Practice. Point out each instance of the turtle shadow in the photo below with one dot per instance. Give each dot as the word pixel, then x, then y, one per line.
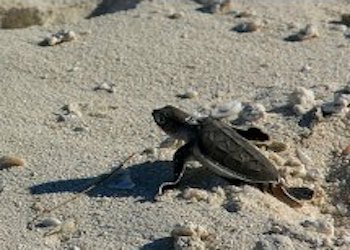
pixel 146 176
pixel 112 6
pixel 159 244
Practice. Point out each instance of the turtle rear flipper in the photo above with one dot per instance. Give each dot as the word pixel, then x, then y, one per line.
pixel 301 193
pixel 281 193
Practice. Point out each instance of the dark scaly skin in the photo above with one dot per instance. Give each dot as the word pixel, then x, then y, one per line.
pixel 226 149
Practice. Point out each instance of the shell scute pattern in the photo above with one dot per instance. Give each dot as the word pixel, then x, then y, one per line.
pixel 219 143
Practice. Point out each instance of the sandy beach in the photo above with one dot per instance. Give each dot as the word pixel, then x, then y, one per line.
pixel 75 110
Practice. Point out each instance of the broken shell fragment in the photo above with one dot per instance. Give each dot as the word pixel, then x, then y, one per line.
pixel 10 161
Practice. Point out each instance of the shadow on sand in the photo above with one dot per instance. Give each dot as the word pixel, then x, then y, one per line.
pixel 147 177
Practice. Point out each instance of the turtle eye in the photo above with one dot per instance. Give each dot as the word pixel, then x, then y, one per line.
pixel 160 119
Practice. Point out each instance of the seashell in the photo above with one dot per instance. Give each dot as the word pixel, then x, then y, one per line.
pixel 10 161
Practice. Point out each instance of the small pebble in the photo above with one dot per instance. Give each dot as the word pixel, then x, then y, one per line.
pixel 252 112
pixel 302 100
pixel 177 15
pixel 307 33
pixel 249 26
pixel 106 87
pixel 246 13
pixel 341 209
pixel 10 161
pixel 221 7
pixel 192 237
pixel 73 108
pixel 59 37
pixel 195 194
pixel 65 228
pixel 214 198
pixel 189 94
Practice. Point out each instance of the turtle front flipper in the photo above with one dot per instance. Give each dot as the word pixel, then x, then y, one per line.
pixel 180 157
pixel 281 193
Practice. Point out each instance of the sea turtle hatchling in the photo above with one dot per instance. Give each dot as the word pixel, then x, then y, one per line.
pixel 225 151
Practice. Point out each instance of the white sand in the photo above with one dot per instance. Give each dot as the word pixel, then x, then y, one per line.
pixel 150 59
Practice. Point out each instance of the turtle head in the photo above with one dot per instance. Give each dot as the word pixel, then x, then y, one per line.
pixel 172 121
